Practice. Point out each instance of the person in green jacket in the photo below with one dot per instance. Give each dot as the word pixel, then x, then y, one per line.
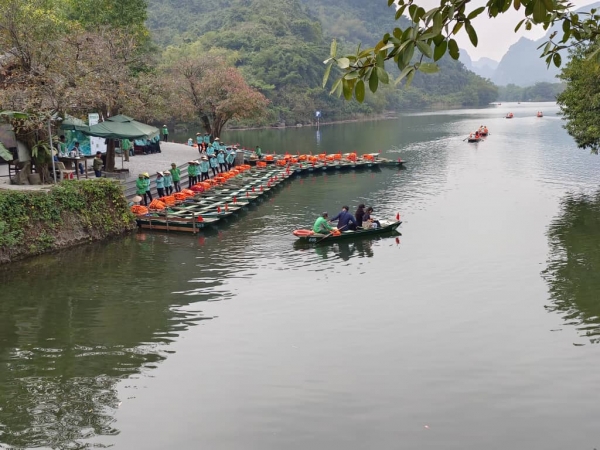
pixel 258 152
pixel 147 183
pixel 127 148
pixel 165 133
pixel 322 225
pixel 176 174
pixel 140 188
pixel 191 169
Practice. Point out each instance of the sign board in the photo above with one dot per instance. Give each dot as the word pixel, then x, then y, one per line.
pixel 96 144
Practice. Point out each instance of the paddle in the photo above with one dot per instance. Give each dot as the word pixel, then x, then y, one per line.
pixel 337 229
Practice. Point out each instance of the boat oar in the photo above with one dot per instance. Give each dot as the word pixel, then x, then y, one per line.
pixel 337 229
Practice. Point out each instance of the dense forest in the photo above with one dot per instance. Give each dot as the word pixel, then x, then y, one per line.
pixel 540 92
pixel 279 47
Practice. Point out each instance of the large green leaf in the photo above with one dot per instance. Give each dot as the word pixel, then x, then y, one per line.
pixel 4 153
pixel 453 49
pixel 440 50
pixel 425 49
pixel 429 68
pixel 373 81
pixel 326 75
pixel 359 91
pixel 472 34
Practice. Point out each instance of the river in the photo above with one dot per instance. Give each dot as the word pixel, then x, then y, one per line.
pixel 474 329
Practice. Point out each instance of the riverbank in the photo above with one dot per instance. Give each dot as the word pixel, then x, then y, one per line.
pixel 36 221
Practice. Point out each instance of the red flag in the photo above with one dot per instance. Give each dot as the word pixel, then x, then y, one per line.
pixel 397 216
pixel 252 188
pixel 226 207
pixel 247 195
pixel 234 200
pixel 200 219
pixel 219 209
pixel 261 188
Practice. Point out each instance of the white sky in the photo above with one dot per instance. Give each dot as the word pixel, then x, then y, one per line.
pixel 496 35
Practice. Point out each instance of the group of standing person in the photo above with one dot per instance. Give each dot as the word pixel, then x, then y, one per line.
pixel 362 219
pixel 167 182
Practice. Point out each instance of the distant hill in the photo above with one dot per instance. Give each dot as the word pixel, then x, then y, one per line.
pixel 280 46
pixel 522 64
pixel 484 67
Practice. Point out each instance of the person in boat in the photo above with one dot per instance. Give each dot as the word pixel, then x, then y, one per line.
pixel 477 134
pixel 345 219
pixel 369 221
pixel 485 129
pixel 359 214
pixel 322 226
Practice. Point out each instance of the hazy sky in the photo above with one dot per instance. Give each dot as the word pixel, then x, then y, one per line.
pixel 496 35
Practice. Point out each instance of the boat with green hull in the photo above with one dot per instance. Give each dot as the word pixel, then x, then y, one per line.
pixel 310 237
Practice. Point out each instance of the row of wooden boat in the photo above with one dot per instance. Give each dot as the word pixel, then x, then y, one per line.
pixel 348 161
pixel 219 203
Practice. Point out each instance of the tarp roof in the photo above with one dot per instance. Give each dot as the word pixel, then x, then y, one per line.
pixel 121 127
pixel 73 124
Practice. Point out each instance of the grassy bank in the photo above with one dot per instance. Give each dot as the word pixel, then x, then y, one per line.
pixel 73 212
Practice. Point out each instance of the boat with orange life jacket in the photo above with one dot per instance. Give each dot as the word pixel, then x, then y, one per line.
pixel 509 115
pixel 310 237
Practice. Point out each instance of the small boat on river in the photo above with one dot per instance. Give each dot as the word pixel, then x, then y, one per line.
pixel 310 237
pixel 509 115
pixel 540 114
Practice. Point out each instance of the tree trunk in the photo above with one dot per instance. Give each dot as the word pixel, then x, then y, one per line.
pixel 206 123
pixel 110 156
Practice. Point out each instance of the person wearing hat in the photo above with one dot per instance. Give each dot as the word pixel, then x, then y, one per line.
pixel 135 200
pixel 322 226
pixel 147 182
pixel 369 221
pixel 97 164
pixel 199 140
pixel 221 161
pixel 160 184
pixel 230 158
pixel 214 165
pixel 206 138
pixel 140 188
pixel 191 170
pixel 168 180
pixel 165 133
pixel 176 174
pixel 190 142
pixel 210 150
pixel 204 166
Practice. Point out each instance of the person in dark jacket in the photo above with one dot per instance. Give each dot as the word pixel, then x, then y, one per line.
pixel 346 221
pixel 358 215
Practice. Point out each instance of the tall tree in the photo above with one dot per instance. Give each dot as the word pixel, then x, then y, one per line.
pixel 580 101
pixel 207 89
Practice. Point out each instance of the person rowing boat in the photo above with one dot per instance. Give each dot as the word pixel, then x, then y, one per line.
pixel 322 226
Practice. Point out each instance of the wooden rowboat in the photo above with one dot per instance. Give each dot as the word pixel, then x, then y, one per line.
pixel 310 237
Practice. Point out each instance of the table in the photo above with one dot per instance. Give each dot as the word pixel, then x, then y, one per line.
pixel 75 162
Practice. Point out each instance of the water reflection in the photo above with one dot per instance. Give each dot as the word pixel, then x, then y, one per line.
pixel 574 264
pixel 346 249
pixel 95 317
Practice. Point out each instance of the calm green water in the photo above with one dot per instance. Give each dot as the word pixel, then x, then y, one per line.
pixel 473 330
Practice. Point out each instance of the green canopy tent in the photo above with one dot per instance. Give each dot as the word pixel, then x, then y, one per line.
pixel 71 123
pixel 121 127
